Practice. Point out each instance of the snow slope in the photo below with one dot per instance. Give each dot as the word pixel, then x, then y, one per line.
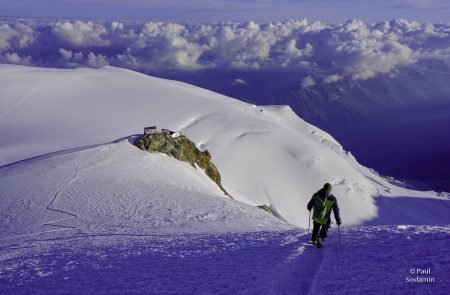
pixel 266 155
pixel 117 189
pixel 369 260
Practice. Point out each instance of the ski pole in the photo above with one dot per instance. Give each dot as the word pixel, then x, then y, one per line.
pixel 339 234
pixel 309 222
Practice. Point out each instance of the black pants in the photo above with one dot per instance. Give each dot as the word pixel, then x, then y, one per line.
pixel 320 230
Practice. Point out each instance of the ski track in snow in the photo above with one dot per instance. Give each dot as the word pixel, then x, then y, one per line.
pixel 63 187
pixel 27 95
pixel 369 260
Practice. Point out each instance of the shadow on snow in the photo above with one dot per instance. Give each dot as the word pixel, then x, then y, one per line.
pixel 410 210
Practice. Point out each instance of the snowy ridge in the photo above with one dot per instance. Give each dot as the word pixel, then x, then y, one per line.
pixel 266 155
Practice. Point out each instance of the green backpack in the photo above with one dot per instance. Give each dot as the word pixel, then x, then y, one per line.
pixel 322 208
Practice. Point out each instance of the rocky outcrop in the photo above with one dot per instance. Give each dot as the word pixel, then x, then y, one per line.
pixel 183 149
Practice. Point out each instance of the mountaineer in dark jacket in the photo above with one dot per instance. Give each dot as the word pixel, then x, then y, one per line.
pixel 322 202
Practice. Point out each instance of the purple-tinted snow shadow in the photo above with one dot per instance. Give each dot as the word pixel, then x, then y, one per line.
pixel 412 211
pixel 389 259
pixel 369 260
pixel 248 263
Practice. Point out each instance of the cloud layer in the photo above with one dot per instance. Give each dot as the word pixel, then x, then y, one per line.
pixel 325 53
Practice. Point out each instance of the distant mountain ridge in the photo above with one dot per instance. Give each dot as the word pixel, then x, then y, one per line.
pixel 392 122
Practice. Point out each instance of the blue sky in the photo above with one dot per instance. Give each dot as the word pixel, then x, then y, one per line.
pixel 223 10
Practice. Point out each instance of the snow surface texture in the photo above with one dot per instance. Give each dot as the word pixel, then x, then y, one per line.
pixel 118 189
pixel 369 260
pixel 96 216
pixel 266 155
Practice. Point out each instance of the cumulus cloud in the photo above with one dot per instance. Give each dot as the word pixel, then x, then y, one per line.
pixel 14 58
pixel 15 35
pixel 332 78
pixel 96 61
pixel 67 54
pixel 308 81
pixel 80 34
pixel 324 53
pixel 238 81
